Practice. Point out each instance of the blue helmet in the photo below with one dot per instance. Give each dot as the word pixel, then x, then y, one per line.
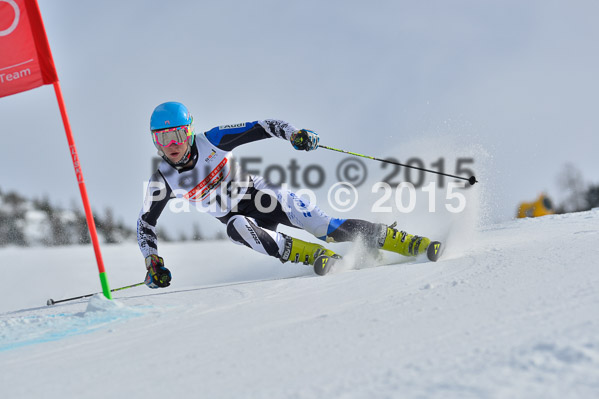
pixel 170 114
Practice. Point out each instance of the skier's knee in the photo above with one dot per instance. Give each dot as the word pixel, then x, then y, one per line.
pixel 232 231
pixel 243 230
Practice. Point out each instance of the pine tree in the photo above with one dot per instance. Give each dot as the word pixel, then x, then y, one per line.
pixel 592 196
pixel 108 227
pixel 80 230
pixel 572 183
pixel 11 232
pixel 13 220
pixel 182 236
pixel 58 231
pixel 197 234
pixel 220 235
pixel 162 235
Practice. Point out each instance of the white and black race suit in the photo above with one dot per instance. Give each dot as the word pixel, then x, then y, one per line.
pixel 249 206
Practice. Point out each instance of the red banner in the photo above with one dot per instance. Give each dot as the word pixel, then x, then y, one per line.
pixel 25 57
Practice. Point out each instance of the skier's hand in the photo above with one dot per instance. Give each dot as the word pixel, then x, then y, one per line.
pixel 158 276
pixel 304 139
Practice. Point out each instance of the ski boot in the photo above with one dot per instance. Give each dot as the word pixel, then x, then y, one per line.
pixel 410 245
pixel 309 253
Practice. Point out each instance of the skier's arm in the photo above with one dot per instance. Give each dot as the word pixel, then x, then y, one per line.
pixel 230 136
pixel 157 196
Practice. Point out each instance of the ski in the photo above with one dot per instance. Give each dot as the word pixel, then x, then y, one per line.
pixel 323 264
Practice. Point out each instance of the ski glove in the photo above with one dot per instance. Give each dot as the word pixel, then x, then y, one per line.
pixel 304 139
pixel 158 276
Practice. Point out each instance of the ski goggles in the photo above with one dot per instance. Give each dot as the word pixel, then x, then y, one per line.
pixel 175 135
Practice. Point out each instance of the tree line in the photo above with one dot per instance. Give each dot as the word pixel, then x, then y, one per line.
pixel 578 194
pixel 25 222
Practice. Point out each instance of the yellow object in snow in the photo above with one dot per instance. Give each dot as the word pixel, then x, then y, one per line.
pixel 541 207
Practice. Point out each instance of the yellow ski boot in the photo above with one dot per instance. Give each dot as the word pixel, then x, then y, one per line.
pixel 309 253
pixel 404 243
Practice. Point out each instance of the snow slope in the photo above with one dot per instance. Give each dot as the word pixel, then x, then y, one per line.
pixel 514 315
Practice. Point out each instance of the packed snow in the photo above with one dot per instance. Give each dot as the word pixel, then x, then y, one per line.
pixel 510 313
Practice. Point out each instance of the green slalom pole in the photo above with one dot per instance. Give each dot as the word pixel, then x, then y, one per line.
pixel 105 287
pixel 472 180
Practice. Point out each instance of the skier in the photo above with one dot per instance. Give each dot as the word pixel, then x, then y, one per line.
pixel 250 208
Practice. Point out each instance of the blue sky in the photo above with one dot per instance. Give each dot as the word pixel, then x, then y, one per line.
pixel 516 81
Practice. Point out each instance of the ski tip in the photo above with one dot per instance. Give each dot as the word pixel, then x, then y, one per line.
pixel 434 250
pixel 50 302
pixel 323 264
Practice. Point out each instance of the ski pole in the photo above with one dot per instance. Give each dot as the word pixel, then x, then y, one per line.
pixel 470 180
pixel 51 301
